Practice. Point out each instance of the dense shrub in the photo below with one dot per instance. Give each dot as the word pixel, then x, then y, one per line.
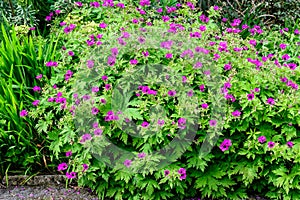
pixel 146 104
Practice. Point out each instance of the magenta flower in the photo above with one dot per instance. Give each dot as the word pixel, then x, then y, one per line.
pixel 39 76
pixel 107 86
pixel 182 171
pixel 202 87
pixel 23 113
pixel 71 53
pixel 160 122
pixel 271 144
pixel 104 78
pixel 250 96
pixel 169 55
pixel 85 167
pixel 145 53
pixel 225 145
pixel 204 105
pixel 68 153
pixel 290 144
pixel 198 65
pixel 286 57
pixel 212 122
pixel 182 177
pixel 71 175
pixel 79 4
pixel 127 163
pixel 62 166
pixel 262 139
pixel 141 155
pixel 227 67
pixel 95 89
pixel 95 111
pixel 252 42
pixel 171 93
pixel 103 25
pixel 167 172
pixel 190 93
pixel 36 89
pixel 145 124
pixel 236 113
pixel 270 101
pixel 98 132
pixel 133 62
pixel 85 138
pixel 36 102
pixel 181 123
pixel 282 46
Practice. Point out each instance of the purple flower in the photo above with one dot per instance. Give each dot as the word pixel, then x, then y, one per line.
pixel 23 113
pixel 62 166
pixel 111 60
pixel 103 25
pixel 104 78
pixel 95 89
pixel 95 111
pixel 141 155
pixel 286 57
pixel 190 93
pixel 127 163
pixel 39 76
pixel 107 86
pixel 145 124
pixel 71 53
pixel 202 88
pixel 114 51
pixel 85 167
pixel 204 105
pixel 171 93
pixel 182 177
pixel 36 102
pixel 225 145
pixel 282 46
pixel 252 42
pixel 270 101
pixel 290 144
pixel 271 144
pixel 36 88
pixel 71 175
pixel 198 65
pixel 212 122
pixel 169 55
pixel 262 139
pixel 181 123
pixel 227 67
pixel 250 96
pixel 68 153
pixel 236 113
pixel 145 53
pixel 133 62
pixel 160 122
pixel 98 131
pixel 167 172
pixel 182 171
pixel 85 138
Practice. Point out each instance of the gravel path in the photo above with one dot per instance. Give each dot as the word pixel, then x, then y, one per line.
pixel 45 193
pixel 50 187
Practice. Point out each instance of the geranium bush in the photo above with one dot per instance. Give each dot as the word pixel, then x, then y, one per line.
pixel 145 106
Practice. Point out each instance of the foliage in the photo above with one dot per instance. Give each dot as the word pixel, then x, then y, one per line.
pixel 21 60
pixel 233 121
